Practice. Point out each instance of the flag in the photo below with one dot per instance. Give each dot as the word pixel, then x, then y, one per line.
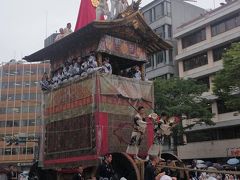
pixel 86 14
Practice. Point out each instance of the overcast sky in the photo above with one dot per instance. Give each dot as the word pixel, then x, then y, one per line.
pixel 26 23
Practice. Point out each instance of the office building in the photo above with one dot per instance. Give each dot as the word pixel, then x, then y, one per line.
pixel 20 109
pixel 201 44
pixel 164 16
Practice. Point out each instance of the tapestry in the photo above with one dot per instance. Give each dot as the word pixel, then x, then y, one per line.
pixel 122 48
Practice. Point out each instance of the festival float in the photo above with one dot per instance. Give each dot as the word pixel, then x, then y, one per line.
pixel 89 116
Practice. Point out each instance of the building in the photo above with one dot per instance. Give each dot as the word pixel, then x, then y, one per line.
pixel 50 39
pixel 201 44
pixel 20 109
pixel 164 16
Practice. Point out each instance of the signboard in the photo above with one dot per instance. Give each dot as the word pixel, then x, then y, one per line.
pixel 234 152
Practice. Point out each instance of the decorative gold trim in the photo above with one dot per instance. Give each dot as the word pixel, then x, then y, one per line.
pixel 95 3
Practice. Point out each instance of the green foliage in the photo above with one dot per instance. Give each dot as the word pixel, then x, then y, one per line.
pixel 227 81
pixel 182 97
pixel 178 97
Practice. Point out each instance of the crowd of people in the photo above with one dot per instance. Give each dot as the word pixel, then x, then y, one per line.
pixel 74 68
pixel 82 67
pixel 64 32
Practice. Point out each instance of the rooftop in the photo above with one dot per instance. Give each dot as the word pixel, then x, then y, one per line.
pixel 132 28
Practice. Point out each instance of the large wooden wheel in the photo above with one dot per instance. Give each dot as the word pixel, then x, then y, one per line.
pixel 124 166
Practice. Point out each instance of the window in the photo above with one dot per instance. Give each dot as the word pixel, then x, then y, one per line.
pixel 218 52
pixel 148 16
pixel 31 122
pixel 169 29
pixel 161 57
pixel 16 123
pixel 222 108
pixel 168 9
pixel 195 62
pixel 7 151
pixel 204 80
pixel 2 124
pixel 30 150
pixel 194 38
pixel 160 31
pixel 226 25
pixel 170 51
pixel 158 11
pixel 150 62
pixel 9 123
pixel 2 110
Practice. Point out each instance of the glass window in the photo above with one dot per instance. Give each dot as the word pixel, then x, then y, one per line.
pixel 218 52
pixel 24 123
pixel 204 80
pixel 168 9
pixel 150 63
pixel 161 57
pixel 31 122
pixel 3 97
pixel 148 16
pixel 222 108
pixel 14 151
pixel 2 110
pixel 25 109
pixel 1 151
pixel 158 11
pixel 2 123
pixel 169 28
pixel 16 123
pixel 39 122
pixel 195 62
pixel 160 31
pixel 194 38
pixel 30 150
pixel 170 56
pixel 225 25
pixel 7 151
pixel 9 123
pixel 230 24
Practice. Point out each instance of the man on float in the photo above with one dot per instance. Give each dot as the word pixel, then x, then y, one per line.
pixel 138 132
pixel 158 122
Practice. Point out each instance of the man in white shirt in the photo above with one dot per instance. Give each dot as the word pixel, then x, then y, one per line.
pixel 60 35
pixel 67 30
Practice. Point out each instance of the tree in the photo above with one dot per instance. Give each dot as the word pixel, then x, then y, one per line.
pixel 178 97
pixel 227 81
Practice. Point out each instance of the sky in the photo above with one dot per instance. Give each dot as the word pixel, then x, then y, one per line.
pixel 26 23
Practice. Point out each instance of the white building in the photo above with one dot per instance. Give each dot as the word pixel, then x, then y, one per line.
pixel 201 43
pixel 164 16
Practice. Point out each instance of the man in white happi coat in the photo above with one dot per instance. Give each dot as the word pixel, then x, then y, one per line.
pixel 158 122
pixel 138 132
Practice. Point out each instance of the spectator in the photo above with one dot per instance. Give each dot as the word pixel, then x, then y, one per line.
pixel 60 35
pixel 137 74
pixel 105 169
pixel 107 67
pixel 84 67
pixel 131 72
pixel 79 175
pixel 44 83
pixel 67 30
pixel 12 174
pixel 150 170
pixel 91 63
